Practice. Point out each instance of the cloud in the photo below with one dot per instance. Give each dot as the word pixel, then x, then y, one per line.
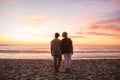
pixel 78 36
pixel 106 28
pixel 109 28
pixel 116 20
pixel 103 34
pixel 107 25
pixel 98 34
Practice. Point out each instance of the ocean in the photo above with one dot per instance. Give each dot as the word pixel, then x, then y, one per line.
pixel 43 52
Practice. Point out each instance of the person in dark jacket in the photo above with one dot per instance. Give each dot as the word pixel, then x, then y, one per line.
pixel 67 50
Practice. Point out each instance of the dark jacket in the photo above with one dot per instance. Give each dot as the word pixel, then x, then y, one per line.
pixel 67 46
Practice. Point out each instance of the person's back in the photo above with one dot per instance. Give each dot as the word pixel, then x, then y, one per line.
pixel 67 45
pixel 56 52
pixel 56 47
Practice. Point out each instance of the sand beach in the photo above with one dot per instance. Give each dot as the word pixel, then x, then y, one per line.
pixel 40 69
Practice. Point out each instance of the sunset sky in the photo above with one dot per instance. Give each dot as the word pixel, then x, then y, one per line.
pixel 36 21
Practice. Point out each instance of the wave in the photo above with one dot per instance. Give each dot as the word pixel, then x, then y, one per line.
pixel 99 51
pixel 41 51
pixel 22 51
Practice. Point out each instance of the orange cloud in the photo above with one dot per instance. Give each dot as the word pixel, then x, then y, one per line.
pixel 110 28
pixel 93 33
pixel 103 34
pixel 117 20
pixel 77 36
pixel 107 25
pixel 105 28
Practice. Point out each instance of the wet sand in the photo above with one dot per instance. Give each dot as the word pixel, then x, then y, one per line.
pixel 82 69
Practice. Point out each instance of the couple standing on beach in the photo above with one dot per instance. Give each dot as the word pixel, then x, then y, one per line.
pixel 62 47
